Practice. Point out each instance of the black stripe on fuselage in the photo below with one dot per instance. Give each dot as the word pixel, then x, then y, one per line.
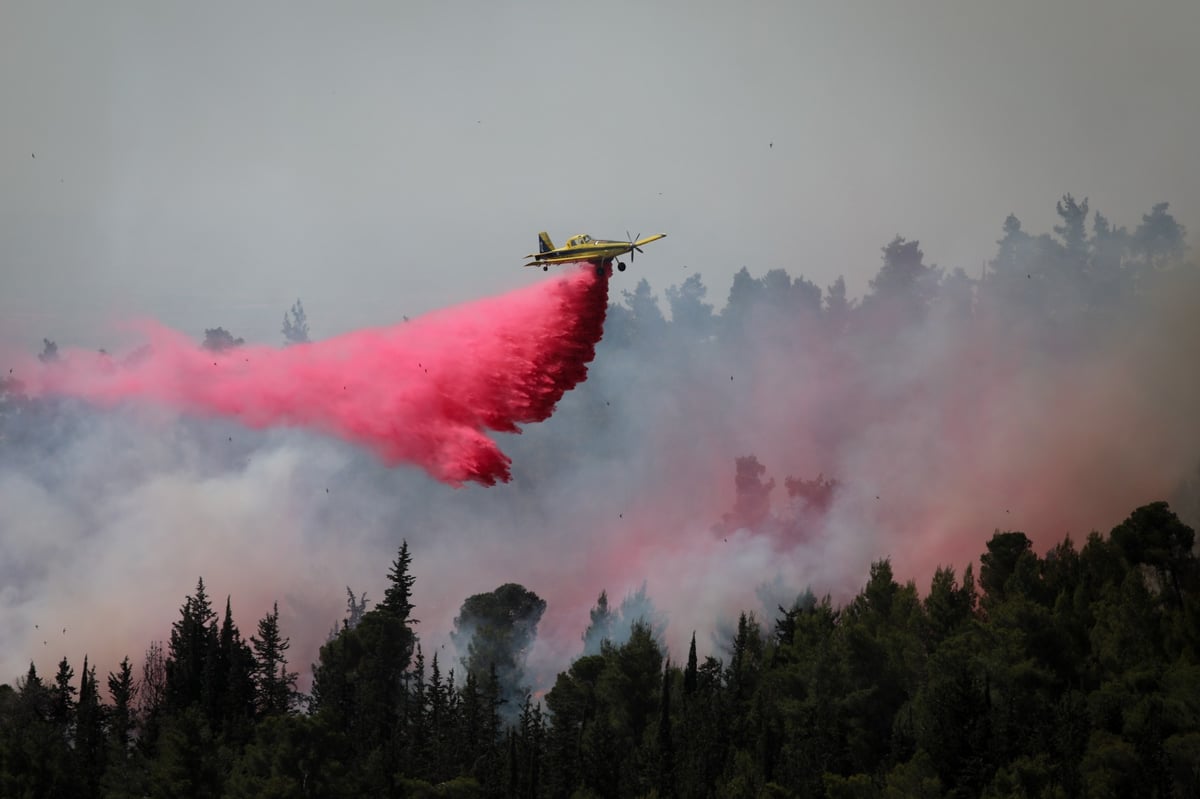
pixel 595 261
pixel 585 253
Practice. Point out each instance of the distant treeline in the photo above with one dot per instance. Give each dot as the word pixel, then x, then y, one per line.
pixel 1052 277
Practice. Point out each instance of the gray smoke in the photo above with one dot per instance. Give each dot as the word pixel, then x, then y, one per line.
pixel 1052 395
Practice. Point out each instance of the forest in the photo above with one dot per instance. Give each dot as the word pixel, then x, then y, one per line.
pixel 1066 671
pixel 1072 673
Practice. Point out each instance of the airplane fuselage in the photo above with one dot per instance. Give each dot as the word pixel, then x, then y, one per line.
pixel 584 249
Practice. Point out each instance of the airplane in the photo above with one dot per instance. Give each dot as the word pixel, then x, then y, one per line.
pixel 584 249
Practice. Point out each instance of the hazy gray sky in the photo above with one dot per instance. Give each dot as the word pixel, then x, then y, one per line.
pixel 207 165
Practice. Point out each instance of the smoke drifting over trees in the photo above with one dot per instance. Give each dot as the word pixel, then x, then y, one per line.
pixel 494 632
pixel 218 339
pixel 609 627
pixel 727 456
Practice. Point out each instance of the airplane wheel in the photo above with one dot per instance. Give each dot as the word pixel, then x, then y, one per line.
pixel 600 270
pixel 620 266
pixel 545 269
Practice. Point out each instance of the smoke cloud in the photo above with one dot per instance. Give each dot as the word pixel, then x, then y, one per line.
pixel 908 425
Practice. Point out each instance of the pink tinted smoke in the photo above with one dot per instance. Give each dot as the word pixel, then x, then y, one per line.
pixel 424 392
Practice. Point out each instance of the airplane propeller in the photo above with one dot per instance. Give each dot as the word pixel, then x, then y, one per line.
pixel 632 245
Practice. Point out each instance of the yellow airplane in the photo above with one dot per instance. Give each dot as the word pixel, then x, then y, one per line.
pixel 584 249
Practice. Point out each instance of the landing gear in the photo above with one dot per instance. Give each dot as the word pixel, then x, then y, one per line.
pixel 620 266
pixel 545 269
pixel 600 270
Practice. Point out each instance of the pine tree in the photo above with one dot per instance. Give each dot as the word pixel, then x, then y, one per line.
pixel 666 743
pixel 470 728
pixel 492 703
pixel 295 325
pixel 49 353
pixel 34 759
pixel 62 697
pixel 837 307
pixel 689 312
pixel 437 706
pixel 274 684
pixel 152 695
pixel 397 598
pixel 497 629
pixel 89 731
pixel 1159 240
pixel 528 738
pixel 361 684
pixel 218 339
pixel 1072 231
pixel 235 687
pixel 355 608
pixel 124 775
pixel 513 764
pixel 904 278
pixel 745 663
pixel 601 628
pixel 120 717
pixel 193 639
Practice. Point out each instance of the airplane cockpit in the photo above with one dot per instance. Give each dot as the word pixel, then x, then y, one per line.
pixel 576 241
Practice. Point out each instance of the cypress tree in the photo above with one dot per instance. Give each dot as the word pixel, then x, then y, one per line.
pixel 689 676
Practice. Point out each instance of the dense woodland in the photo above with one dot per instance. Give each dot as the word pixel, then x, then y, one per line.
pixel 1073 672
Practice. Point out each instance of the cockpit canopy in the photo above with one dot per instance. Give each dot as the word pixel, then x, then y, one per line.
pixel 576 241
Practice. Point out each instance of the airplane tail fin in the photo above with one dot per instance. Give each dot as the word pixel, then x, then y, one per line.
pixel 544 243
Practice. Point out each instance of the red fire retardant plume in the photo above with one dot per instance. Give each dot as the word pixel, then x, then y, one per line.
pixel 421 392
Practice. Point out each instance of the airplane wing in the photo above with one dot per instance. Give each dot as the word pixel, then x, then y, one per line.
pixel 649 239
pixel 562 259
